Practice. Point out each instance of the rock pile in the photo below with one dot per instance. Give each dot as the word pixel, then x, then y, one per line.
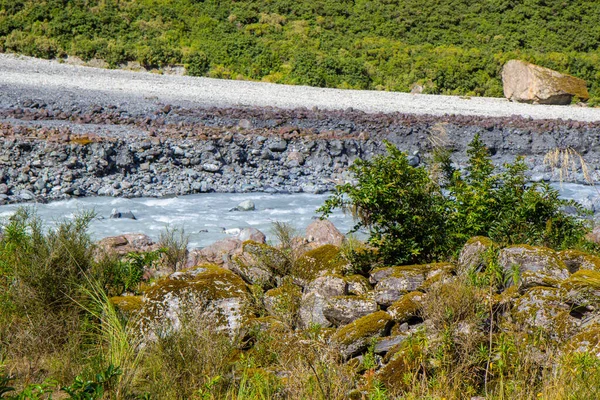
pixel 383 311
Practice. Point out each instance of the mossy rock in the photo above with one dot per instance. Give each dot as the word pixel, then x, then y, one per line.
pixel 207 294
pixel 315 297
pixel 403 363
pixel 127 304
pixel 258 263
pixel 319 261
pixel 357 285
pixel 544 309
pixel 379 274
pixel 355 337
pixel 394 282
pixel 473 254
pixel 342 310
pixel 524 258
pixel 407 307
pixel 529 279
pixel 576 260
pixel 583 288
pixel 586 341
pixel 284 302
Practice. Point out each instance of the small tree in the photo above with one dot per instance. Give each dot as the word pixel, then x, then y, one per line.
pixel 410 220
pixel 403 208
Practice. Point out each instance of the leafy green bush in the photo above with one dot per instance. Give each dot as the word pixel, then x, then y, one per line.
pixel 404 210
pixel 411 220
pixel 453 48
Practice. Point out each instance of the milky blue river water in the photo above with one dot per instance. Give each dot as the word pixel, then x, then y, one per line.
pixel 203 216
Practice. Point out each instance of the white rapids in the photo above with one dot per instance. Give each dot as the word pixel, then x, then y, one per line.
pixel 207 218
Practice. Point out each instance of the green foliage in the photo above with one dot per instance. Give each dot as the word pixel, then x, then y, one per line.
pixel 411 221
pixel 404 210
pixel 452 48
pixel 94 389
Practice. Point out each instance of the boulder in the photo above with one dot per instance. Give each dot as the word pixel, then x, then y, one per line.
pixel 127 243
pixel 472 255
pixel 218 253
pixel 341 310
pixel 394 282
pixel 116 214
pixel 252 234
pixel 322 232
pixel 202 295
pixel 357 285
pixel 283 302
pixel 355 337
pixel 544 309
pixel 407 307
pixel 524 258
pixel 246 205
pixel 320 261
pixel 576 260
pixel 583 289
pixel 594 235
pixel 530 83
pixel 314 300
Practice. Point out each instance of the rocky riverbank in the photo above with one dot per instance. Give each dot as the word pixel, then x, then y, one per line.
pixel 56 150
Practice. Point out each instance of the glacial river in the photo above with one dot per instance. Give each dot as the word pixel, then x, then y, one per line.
pixel 204 216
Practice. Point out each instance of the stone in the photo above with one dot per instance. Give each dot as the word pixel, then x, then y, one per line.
pixel 530 83
pixel 544 309
pixel 320 261
pixel 217 253
pixel 385 344
pixel 246 205
pixel 322 232
pixel 127 243
pixel 283 302
pixel 524 258
pixel 407 307
pixel 342 310
pixel 116 214
pixel 472 255
pixel 211 167
pixel 206 294
pixel 26 195
pixel 576 260
pixel 355 337
pixel 315 297
pixel 277 145
pixel 252 234
pixel 583 289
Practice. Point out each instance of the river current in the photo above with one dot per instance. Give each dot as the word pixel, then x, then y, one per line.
pixel 204 217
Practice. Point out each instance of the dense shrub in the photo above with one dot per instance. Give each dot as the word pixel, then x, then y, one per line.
pixel 410 220
pixel 453 48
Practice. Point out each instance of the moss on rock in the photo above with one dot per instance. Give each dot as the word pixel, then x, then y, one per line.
pixel 323 259
pixel 355 337
pixel 283 302
pixel 408 307
pixel 576 260
pixel 207 294
pixel 127 304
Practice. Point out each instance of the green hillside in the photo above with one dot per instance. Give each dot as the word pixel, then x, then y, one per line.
pixel 447 46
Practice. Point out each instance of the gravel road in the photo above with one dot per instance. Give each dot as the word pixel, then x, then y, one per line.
pixel 24 76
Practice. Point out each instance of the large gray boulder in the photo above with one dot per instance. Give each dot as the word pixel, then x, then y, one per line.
pixel 342 310
pixel 316 297
pixel 532 264
pixel 530 83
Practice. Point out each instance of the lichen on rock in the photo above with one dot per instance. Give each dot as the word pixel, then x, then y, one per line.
pixel 355 337
pixel 204 293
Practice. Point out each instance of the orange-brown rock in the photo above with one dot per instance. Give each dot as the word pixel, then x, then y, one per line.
pixel 529 83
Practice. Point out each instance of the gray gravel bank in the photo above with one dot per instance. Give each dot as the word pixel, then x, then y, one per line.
pixel 71 131
pixel 19 73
